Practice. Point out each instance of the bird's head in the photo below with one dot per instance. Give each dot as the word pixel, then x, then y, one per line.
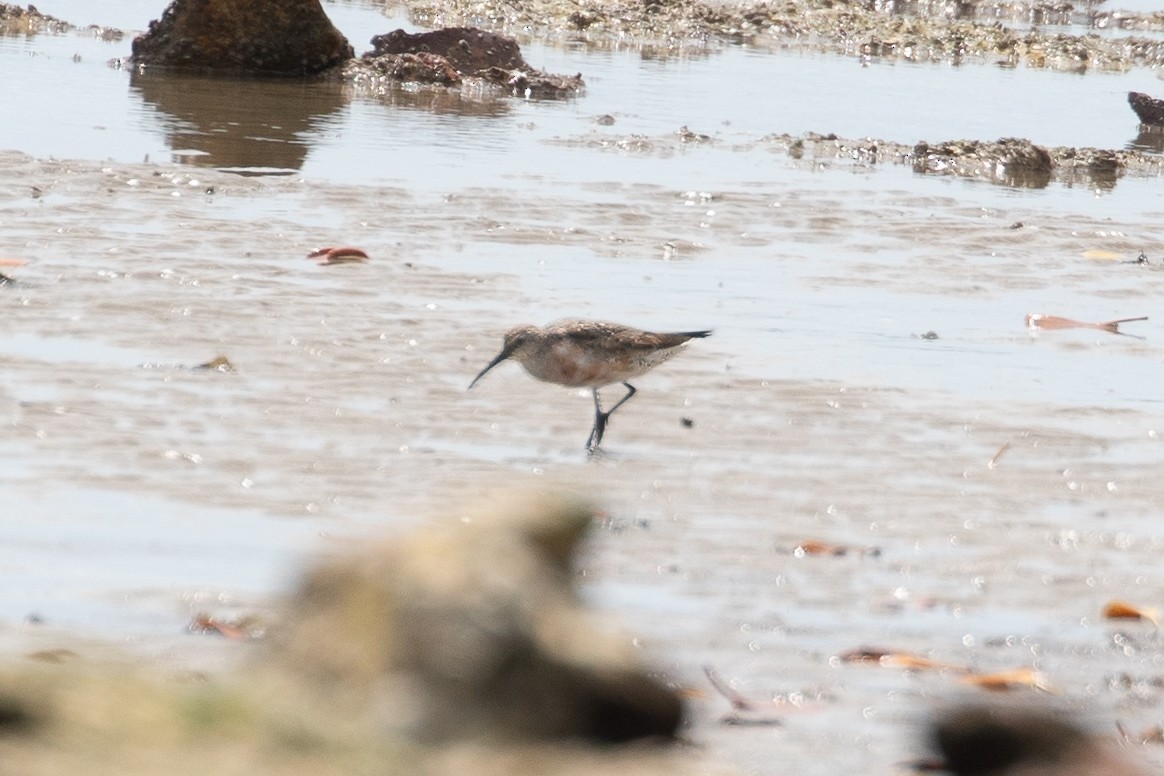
pixel 518 345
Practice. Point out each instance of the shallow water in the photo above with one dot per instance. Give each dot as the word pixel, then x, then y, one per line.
pixel 141 489
pixel 733 94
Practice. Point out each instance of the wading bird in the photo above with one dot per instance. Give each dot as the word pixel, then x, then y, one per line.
pixel 589 354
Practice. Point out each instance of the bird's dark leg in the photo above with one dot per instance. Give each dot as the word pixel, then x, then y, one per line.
pixel 601 418
pixel 630 391
pixel 595 438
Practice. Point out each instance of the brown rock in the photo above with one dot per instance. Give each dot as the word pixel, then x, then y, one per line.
pixel 467 49
pixel 271 37
pixel 470 53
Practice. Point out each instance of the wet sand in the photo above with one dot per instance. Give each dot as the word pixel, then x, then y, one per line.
pixel 1008 480
pixel 816 413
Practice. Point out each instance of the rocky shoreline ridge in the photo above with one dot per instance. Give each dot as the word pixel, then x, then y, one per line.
pixel 1014 162
pixel 1009 34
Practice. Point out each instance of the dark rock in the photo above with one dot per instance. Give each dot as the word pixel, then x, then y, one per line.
pixel 268 37
pixel 468 49
pixel 473 55
pixel 1148 109
pixel 1000 740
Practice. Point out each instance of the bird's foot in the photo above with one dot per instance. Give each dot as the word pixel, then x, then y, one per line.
pixel 595 439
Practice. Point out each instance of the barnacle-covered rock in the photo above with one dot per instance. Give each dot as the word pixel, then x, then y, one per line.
pixel 262 37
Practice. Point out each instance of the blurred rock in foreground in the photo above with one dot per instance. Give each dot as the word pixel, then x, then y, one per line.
pixel 474 627
pixel 262 37
pixel 1001 740
pixel 461 650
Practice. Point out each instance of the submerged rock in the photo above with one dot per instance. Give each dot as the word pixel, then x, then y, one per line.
pixel 459 55
pixel 1013 161
pixel 264 37
pixel 416 68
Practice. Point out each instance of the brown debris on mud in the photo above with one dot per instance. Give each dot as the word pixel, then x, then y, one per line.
pixel 458 55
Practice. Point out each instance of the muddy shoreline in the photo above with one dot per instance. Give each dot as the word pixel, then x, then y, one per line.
pixel 997 486
pixel 1008 504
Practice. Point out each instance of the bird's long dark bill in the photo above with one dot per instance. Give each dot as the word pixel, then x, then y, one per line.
pixel 500 357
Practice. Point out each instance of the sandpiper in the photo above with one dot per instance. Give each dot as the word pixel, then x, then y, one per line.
pixel 589 354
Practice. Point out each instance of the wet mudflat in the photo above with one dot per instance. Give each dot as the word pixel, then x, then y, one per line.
pixel 1007 480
